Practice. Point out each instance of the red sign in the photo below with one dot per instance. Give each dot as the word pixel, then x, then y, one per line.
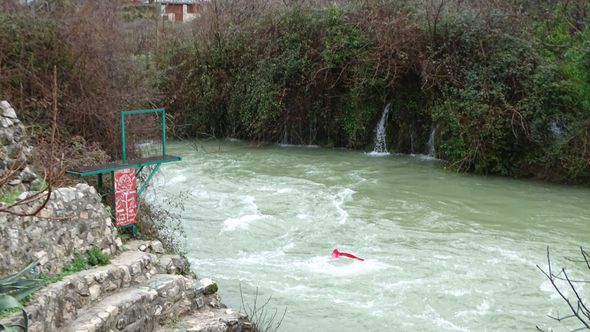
pixel 125 197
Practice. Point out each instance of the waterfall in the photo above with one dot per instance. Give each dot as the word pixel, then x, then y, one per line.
pixel 380 148
pixel 431 149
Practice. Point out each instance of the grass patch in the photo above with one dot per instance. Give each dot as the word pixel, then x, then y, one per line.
pixel 95 257
pixel 92 257
pixel 174 321
pixel 9 196
pixel 79 263
pixel 9 312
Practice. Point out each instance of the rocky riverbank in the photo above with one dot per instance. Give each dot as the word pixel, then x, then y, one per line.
pixel 142 288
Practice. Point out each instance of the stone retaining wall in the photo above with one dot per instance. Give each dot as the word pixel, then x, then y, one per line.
pixel 15 152
pixel 73 221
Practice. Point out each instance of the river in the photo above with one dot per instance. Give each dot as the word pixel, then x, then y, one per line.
pixel 444 251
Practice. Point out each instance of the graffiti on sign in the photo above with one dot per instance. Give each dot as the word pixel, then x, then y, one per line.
pixel 125 197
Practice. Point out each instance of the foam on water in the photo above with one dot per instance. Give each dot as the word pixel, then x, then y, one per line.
pixel 435 318
pixel 271 257
pixel 458 292
pixel 377 154
pixel 424 157
pixel 341 266
pixel 242 222
pixel 482 309
pixel 177 179
pixel 310 146
pixel 342 197
pixel 250 214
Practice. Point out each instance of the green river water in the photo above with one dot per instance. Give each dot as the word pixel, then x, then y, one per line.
pixel 444 251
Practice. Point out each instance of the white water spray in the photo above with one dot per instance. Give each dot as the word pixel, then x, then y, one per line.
pixel 380 148
pixel 431 149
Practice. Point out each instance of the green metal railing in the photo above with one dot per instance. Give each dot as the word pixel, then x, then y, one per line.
pixel 162 111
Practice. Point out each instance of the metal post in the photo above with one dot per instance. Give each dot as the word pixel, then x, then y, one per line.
pixel 114 206
pixel 123 150
pixel 148 179
pixel 163 131
pixel 100 186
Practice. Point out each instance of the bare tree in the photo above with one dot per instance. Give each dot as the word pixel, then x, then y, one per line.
pixel 42 196
pixel 577 304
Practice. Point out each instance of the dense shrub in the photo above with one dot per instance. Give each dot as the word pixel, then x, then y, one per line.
pixel 311 75
pixel 97 76
pixel 505 84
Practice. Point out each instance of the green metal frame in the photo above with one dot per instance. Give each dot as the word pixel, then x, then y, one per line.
pixel 137 164
pixel 140 165
pixel 162 111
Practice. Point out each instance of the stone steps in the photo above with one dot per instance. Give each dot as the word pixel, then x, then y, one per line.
pixel 138 291
pixel 58 303
pixel 211 320
pixel 140 307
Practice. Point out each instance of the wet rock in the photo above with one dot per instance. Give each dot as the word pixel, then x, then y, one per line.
pixel 157 247
pixel 27 175
pixel 209 286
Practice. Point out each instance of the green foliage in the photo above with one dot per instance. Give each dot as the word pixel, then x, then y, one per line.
pixel 508 93
pixel 356 120
pixel 19 285
pixel 497 117
pixel 9 196
pixel 506 83
pixel 343 41
pixel 410 123
pixel 79 263
pixel 96 257
pixel 29 51
pixel 174 321
pixel 92 257
pixel 16 290
pixel 9 306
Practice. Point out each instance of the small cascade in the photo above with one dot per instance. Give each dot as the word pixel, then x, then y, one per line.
pixel 431 149
pixel 285 140
pixel 557 128
pixel 380 147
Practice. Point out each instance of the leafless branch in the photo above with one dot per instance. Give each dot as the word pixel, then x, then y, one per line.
pixel 578 308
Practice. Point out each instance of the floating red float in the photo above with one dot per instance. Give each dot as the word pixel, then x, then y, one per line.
pixel 338 254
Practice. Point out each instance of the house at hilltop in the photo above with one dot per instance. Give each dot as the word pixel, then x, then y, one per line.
pixel 180 10
pixel 175 10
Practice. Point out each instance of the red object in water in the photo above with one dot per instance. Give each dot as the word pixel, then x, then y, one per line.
pixel 338 254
